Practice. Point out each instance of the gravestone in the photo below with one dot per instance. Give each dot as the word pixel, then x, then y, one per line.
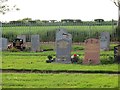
pixel 92 51
pixel 35 43
pixel 63 46
pixel 104 41
pixel 4 44
pixel 22 37
pixel 117 53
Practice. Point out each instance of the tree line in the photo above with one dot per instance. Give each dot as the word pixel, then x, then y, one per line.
pixel 63 22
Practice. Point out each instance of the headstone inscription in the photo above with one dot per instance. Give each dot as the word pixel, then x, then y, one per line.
pixel 117 53
pixel 92 51
pixel 4 44
pixel 63 46
pixel 104 40
pixel 35 43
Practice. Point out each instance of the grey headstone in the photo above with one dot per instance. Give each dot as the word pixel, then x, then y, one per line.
pixel 4 44
pixel 104 41
pixel 35 43
pixel 22 37
pixel 63 46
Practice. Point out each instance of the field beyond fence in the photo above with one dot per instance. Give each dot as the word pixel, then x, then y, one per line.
pixel 47 33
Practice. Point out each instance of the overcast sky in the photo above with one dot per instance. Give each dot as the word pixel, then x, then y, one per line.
pixel 62 9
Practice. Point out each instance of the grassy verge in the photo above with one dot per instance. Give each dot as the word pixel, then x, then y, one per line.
pixel 59 81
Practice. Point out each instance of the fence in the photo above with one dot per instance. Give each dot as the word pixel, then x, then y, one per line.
pixel 47 31
pixel 0 55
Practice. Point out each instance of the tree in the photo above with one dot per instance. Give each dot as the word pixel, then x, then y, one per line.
pixel 53 21
pixel 45 21
pixel 99 20
pixel 78 21
pixel 5 8
pixel 27 19
pixel 117 3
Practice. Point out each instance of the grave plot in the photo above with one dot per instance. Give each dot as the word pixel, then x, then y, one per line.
pixel 63 46
pixel 92 51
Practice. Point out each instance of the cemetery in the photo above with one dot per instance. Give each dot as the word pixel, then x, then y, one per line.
pixel 27 53
pixel 69 53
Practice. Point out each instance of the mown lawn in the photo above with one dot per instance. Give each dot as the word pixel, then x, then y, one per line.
pixel 17 80
pixel 36 61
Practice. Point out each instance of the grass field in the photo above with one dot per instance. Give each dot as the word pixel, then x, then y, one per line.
pixel 43 29
pixel 47 33
pixel 59 81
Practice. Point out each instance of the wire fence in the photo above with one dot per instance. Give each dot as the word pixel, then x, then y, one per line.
pixel 47 31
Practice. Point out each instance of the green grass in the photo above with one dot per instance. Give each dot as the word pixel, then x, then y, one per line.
pixel 42 29
pixel 39 62
pixel 11 80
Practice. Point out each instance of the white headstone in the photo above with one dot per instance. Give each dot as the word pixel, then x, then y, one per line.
pixel 4 44
pixel 35 43
pixel 104 41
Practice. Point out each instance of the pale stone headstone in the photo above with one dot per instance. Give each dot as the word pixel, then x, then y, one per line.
pixel 104 41
pixel 22 37
pixel 35 43
pixel 92 51
pixel 63 46
pixel 4 44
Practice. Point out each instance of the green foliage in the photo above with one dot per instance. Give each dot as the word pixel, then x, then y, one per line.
pixel 107 60
pixel 14 50
pixel 10 35
pixel 49 57
pixel 77 47
pixel 80 61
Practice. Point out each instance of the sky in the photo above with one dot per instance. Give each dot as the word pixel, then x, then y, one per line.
pixel 86 10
